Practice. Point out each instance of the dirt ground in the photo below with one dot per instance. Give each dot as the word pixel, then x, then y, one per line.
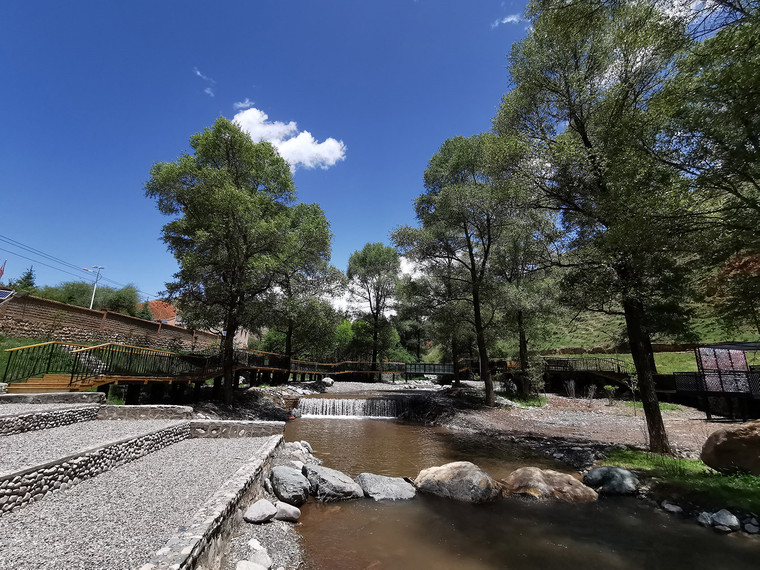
pixel 592 420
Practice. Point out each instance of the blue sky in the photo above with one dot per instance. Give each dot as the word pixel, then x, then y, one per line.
pixel 95 92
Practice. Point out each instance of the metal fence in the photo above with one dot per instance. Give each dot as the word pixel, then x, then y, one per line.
pixel 46 358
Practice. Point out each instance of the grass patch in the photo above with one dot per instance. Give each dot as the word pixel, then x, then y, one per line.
pixel 7 342
pixel 663 406
pixel 693 480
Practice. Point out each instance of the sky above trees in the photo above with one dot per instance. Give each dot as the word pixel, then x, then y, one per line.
pixel 356 96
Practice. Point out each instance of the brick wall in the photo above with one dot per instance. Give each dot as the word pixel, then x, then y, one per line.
pixel 32 317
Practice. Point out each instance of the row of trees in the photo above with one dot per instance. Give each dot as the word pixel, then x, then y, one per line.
pixel 125 300
pixel 621 176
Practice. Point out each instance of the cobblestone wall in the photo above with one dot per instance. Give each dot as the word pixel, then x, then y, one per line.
pixel 234 428
pixel 33 317
pixel 23 487
pixel 145 412
pixel 31 421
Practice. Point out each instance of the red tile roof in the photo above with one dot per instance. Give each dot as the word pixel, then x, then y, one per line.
pixel 162 310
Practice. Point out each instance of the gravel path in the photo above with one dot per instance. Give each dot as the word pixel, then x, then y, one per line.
pixel 592 420
pixel 120 518
pixel 35 447
pixel 358 387
pixel 13 409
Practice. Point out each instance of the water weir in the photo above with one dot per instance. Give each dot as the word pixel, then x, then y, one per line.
pixel 350 407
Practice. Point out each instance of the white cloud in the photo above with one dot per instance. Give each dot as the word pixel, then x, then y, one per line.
pixel 204 77
pixel 242 104
pixel 210 89
pixel 299 149
pixel 511 19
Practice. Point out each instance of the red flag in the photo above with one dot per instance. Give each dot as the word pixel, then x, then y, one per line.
pixel 2 268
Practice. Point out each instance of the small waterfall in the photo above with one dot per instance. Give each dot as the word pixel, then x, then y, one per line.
pixel 345 407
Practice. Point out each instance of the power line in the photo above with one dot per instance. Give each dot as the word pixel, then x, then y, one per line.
pixel 55 259
pixel 35 251
pixel 38 261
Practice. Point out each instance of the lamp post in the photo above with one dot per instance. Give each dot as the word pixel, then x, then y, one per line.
pixel 94 285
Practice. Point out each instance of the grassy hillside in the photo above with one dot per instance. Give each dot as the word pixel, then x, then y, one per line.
pixel 592 330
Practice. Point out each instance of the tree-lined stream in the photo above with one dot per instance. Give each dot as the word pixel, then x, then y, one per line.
pixel 429 532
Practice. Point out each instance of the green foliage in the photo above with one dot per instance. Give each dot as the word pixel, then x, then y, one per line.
pixel 25 283
pixel 79 293
pixel 372 277
pixel 693 478
pixel 229 229
pixel 144 312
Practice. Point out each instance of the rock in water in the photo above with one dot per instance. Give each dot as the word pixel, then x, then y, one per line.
pixel 259 512
pixel 612 481
pixel 547 484
pixel 290 485
pixel 381 488
pixel 330 485
pixel 461 481
pixel 734 448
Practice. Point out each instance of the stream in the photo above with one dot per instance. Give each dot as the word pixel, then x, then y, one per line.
pixel 429 532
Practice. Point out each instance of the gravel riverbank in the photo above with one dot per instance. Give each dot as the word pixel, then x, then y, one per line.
pixel 31 448
pixel 120 518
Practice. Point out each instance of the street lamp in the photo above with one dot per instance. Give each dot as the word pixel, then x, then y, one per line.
pixel 94 285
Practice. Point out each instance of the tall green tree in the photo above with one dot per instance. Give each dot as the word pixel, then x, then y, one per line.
pixel 463 216
pixel 304 279
pixel 26 282
pixel 372 275
pixel 584 78
pixel 228 200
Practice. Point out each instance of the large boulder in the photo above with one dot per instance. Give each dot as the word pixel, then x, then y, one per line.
pixel 290 485
pixel 612 481
pixel 330 485
pixel 734 448
pixel 380 487
pixel 461 481
pixel 546 484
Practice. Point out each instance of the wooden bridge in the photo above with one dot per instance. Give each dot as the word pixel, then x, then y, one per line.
pixel 605 367
pixel 67 367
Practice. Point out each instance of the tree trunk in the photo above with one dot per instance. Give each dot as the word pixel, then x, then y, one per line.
pixel 455 359
pixel 228 355
pixel 524 379
pixel 375 326
pixel 485 371
pixel 643 360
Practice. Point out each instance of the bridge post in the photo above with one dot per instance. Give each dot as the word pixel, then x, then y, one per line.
pixel 217 391
pixel 133 395
pixel 104 389
pixel 176 392
pixel 157 390
pixel 197 391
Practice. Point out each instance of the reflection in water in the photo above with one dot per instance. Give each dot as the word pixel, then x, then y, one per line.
pixel 429 532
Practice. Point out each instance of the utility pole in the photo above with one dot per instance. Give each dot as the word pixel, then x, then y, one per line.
pixel 94 285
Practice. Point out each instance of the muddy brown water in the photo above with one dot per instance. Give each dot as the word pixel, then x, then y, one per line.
pixel 429 532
